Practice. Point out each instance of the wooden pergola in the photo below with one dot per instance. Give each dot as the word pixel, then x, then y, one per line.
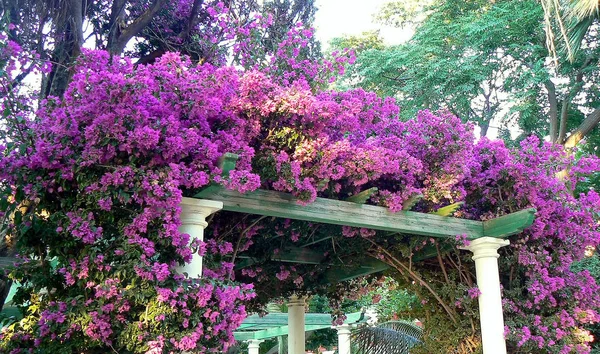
pixel 486 237
pixel 255 329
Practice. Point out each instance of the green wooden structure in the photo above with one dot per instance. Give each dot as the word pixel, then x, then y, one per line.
pixel 354 212
pixel 276 324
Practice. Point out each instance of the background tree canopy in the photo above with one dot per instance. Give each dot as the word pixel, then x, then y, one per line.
pixel 485 61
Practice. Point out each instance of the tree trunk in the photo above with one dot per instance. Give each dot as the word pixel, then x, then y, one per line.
pixel 120 34
pixel 553 110
pixel 69 39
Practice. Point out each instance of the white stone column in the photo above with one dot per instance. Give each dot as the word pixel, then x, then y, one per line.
pixel 193 223
pixel 343 338
pixel 254 346
pixel 296 335
pixel 485 255
pixel 373 316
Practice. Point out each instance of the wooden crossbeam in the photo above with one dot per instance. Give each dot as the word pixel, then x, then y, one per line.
pixel 507 225
pixel 329 211
pixel 430 252
pixel 289 255
pixel 273 332
pixel 281 319
pixel 319 240
pixel 277 323
pixel 369 266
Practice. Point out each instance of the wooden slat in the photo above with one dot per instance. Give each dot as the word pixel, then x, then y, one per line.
pixel 273 332
pixel 362 197
pixel 319 240
pixel 290 255
pixel 508 225
pixel 281 319
pixel 329 211
pixel 430 252
pixel 368 267
pixel 6 262
pixel 313 322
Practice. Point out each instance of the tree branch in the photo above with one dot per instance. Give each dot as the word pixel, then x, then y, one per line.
pixel 192 19
pixel 589 123
pixel 553 110
pixel 117 43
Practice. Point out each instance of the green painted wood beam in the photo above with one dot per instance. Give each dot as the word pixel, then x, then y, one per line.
pixel 430 252
pixel 368 267
pixel 329 211
pixel 508 225
pixel 319 240
pixel 289 255
pixel 313 322
pixel 273 332
pixel 280 319
pixel 362 197
pixel 227 163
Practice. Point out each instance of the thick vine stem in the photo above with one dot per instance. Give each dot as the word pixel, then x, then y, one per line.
pixel 394 262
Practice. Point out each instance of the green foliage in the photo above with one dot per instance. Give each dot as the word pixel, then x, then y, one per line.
pixel 592 265
pixel 484 61
pixel 365 41
pixel 403 13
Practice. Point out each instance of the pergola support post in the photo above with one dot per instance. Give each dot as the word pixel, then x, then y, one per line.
pixel 296 321
pixel 193 223
pixel 254 346
pixel 343 332
pixel 485 255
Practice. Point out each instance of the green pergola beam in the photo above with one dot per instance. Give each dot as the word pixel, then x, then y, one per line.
pixel 369 266
pixel 273 332
pixel 278 324
pixel 289 255
pixel 507 225
pixel 281 319
pixel 329 211
pixel 317 241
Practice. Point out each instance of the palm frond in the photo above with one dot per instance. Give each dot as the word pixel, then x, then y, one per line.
pixel 448 209
pixel 577 31
pixel 583 9
pixel 393 337
pixel 571 20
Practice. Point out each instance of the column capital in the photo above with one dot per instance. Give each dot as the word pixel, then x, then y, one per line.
pixel 254 343
pixel 485 247
pixel 343 329
pixel 194 211
pixel 296 300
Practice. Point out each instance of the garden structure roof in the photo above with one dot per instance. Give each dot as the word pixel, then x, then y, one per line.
pixel 354 212
pixel 276 324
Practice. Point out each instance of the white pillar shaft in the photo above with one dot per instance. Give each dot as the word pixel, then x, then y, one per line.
pixel 343 339
pixel 485 255
pixel 296 321
pixel 193 223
